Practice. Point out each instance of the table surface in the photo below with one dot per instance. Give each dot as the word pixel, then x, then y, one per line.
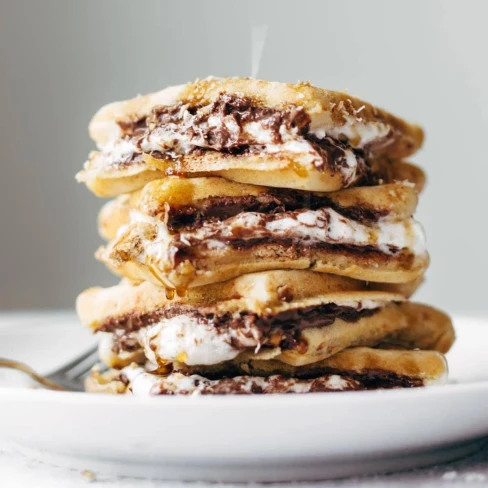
pixel 17 471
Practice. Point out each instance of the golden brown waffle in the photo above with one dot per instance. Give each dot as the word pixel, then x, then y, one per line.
pixel 257 292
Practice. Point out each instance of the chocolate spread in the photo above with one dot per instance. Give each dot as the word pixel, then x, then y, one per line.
pixel 234 113
pixel 299 247
pixel 189 217
pixel 124 342
pixel 133 127
pixel 219 126
pixel 278 329
pixel 247 385
pixel 284 248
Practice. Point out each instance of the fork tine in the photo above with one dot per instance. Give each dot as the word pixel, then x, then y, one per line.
pixel 69 377
pixel 83 367
pixel 69 366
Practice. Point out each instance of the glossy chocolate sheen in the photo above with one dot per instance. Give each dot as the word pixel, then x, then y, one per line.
pixel 292 319
pixel 228 135
pixel 188 217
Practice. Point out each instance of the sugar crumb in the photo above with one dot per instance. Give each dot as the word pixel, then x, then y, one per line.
pixel 449 475
pixel 88 476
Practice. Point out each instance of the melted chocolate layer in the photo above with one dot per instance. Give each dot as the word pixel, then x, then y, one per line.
pixel 292 249
pixel 328 381
pixel 220 126
pixel 370 378
pixel 279 329
pixel 189 217
pixel 234 112
pixel 311 316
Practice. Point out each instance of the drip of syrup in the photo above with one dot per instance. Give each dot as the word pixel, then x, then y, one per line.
pixel 164 367
pixel 182 292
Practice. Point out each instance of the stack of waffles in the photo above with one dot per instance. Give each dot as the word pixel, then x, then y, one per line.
pixel 264 237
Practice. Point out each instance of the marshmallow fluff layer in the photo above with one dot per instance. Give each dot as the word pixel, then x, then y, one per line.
pixel 306 226
pixel 235 125
pixel 142 383
pixel 147 384
pixel 187 339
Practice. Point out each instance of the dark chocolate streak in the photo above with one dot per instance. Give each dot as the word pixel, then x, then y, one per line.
pixel 296 248
pixel 133 127
pixel 239 110
pixel 228 136
pixel 283 328
pixel 123 342
pixel 365 380
pixel 355 381
pixel 236 112
pixel 272 201
pixel 370 378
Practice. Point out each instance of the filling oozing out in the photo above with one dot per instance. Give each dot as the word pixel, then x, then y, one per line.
pixel 237 126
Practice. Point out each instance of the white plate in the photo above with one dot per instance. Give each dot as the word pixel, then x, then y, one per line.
pixel 261 438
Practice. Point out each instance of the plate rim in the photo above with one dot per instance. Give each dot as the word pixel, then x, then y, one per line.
pixel 46 396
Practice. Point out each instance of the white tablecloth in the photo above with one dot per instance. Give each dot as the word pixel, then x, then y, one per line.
pixel 16 471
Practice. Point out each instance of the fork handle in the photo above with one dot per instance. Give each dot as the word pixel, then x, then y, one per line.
pixel 17 365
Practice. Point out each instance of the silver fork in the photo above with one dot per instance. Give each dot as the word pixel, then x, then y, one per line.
pixel 68 377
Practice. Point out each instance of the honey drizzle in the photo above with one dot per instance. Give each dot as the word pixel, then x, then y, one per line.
pixel 164 367
pixel 182 292
pixel 298 169
pixel 151 270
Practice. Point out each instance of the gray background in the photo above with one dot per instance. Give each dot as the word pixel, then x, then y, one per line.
pixel 61 60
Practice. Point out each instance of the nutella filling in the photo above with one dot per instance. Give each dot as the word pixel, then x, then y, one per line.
pixel 141 383
pixel 234 125
pixel 297 318
pixel 297 233
pixel 203 336
pixel 273 201
pixel 276 237
pixel 123 341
